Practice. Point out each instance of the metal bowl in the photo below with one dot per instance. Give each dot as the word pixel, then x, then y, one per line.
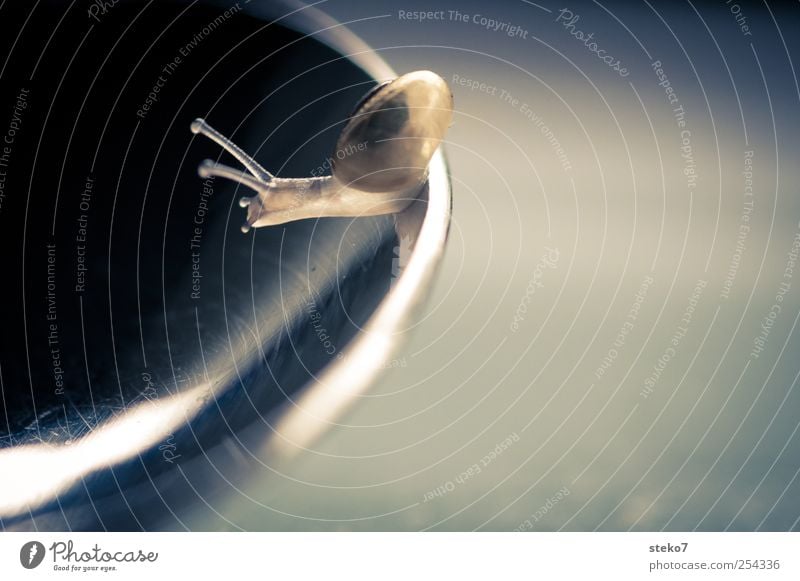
pixel 153 355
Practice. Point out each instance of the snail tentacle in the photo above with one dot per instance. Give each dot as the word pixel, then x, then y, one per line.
pixel 200 126
pixel 211 169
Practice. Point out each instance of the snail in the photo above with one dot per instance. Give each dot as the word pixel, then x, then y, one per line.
pixel 379 165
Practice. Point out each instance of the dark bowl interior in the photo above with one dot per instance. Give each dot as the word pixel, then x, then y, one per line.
pixel 126 278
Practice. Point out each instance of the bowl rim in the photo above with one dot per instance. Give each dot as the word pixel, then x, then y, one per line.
pixel 316 405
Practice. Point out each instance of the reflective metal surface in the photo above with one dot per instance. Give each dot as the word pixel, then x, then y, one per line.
pixel 152 353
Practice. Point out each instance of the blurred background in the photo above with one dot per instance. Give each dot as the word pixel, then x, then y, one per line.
pixel 575 200
pixel 611 342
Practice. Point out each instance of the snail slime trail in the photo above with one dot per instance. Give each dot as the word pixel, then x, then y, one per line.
pixel 379 165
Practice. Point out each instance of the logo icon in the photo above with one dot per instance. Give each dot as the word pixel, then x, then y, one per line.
pixel 31 554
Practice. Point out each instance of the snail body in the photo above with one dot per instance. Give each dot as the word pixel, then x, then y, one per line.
pixel 381 159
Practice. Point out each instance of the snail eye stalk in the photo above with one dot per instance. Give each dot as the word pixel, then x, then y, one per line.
pixel 210 169
pixel 200 126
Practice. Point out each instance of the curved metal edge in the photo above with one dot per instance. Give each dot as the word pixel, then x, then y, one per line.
pixel 313 21
pixel 335 390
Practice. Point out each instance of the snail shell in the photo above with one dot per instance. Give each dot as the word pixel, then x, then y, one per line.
pixel 401 124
